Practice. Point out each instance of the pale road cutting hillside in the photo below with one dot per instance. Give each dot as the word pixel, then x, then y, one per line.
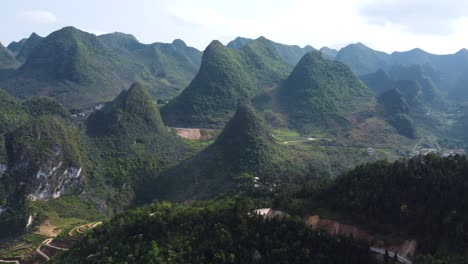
pixel 335 228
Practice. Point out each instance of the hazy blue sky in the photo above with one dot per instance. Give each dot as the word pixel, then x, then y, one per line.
pixel 434 25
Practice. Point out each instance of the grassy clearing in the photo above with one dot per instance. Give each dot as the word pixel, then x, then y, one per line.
pixel 67 212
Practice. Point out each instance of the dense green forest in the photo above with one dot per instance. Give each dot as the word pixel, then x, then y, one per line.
pixel 423 197
pixel 225 231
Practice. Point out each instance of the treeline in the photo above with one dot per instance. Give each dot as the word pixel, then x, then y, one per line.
pixel 211 232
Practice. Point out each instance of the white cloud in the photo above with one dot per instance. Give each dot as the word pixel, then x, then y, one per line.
pixel 38 17
pixel 422 17
pixel 386 25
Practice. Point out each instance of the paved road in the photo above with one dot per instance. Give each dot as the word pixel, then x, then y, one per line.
pixel 52 246
pixel 38 250
pixel 391 254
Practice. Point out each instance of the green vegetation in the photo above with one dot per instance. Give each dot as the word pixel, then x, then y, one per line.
pixel 27 47
pixel 22 247
pixel 291 54
pixel 317 91
pixel 329 53
pixel 431 94
pixel 227 78
pixel 7 61
pixel 244 149
pixel 404 125
pixel 128 146
pixel 66 212
pixel 361 59
pixel 210 232
pixel 15 46
pixel 80 70
pixel 422 197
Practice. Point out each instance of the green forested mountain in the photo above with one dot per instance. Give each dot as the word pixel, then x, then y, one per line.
pixel 211 232
pixel 7 61
pixel 446 71
pixel 129 144
pixel 244 150
pixel 27 47
pixel 394 103
pixel 227 78
pixel 410 89
pixel 329 53
pixel 79 69
pixel 318 92
pixel 170 67
pixel 407 93
pixel 430 92
pixel 40 157
pixel 238 43
pixel 378 81
pixel 362 59
pixel 291 54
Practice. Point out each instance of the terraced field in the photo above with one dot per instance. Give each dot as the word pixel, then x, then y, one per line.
pixel 83 229
pixel 21 248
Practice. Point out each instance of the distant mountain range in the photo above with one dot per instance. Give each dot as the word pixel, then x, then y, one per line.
pixel 451 69
pixel 80 69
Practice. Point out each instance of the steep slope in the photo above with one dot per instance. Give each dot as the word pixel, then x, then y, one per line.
pixel 7 61
pixel 27 47
pixel 378 82
pixel 79 70
pixel 404 103
pixel 291 54
pixel 447 68
pixel 40 158
pixel 238 43
pixel 397 111
pixel 394 103
pixel 318 92
pixel 447 71
pixel 329 53
pixel 362 59
pixel 459 92
pixel 226 79
pixel 69 65
pixel 244 148
pixel 12 113
pixel 128 143
pixel 168 67
pixel 15 46
pixel 430 92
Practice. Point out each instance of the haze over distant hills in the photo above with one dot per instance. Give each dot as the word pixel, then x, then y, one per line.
pixel 93 125
pixel 80 69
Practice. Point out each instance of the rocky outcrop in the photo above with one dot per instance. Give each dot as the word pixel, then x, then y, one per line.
pixel 44 160
pixel 56 181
